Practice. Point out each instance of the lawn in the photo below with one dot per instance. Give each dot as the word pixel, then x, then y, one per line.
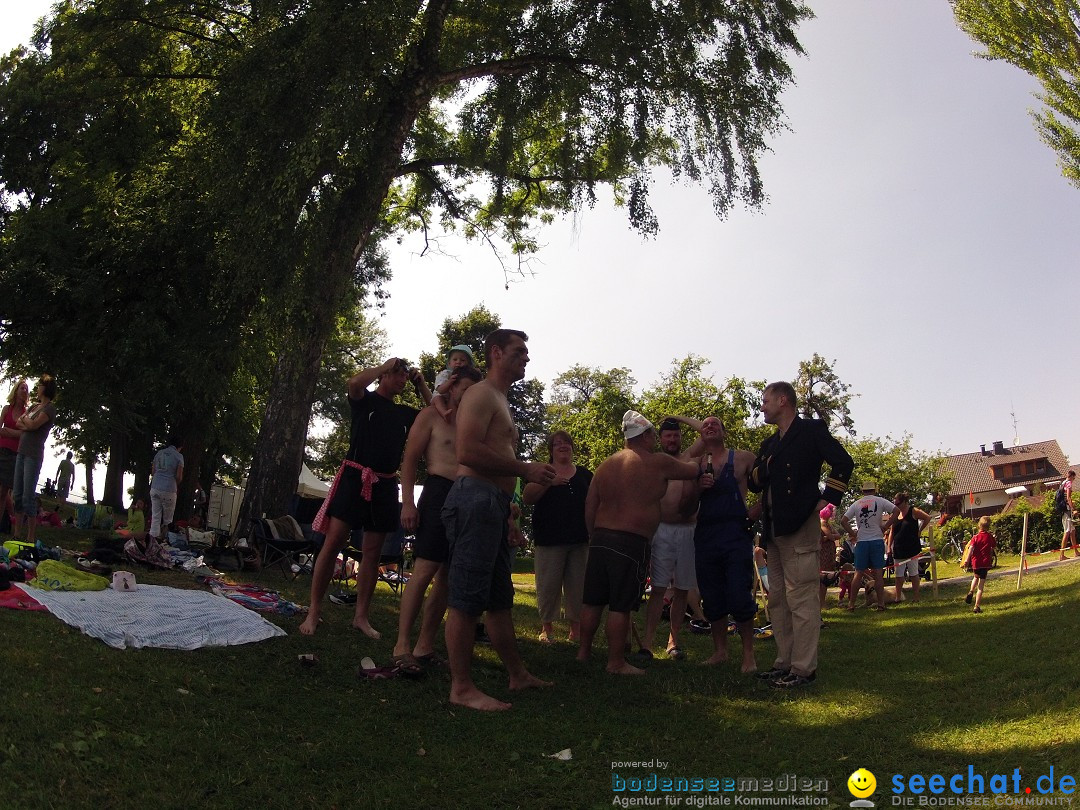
pixel 921 689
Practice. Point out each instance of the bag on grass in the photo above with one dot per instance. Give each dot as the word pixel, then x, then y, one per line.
pixel 55 576
pixel 150 552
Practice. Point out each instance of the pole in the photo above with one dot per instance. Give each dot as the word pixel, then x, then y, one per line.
pixel 933 559
pixel 1023 553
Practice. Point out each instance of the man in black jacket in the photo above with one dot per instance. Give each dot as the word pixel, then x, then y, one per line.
pixel 788 472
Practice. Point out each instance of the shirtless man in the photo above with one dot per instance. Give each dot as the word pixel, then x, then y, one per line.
pixel 723 548
pixel 476 516
pixel 365 490
pixel 671 558
pixel 621 513
pixel 431 438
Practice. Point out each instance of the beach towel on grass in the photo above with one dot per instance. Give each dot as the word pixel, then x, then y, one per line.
pixel 158 616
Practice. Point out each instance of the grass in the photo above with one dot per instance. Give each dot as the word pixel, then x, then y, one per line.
pixel 923 688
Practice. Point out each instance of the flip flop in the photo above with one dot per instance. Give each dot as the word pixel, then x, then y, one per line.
pixel 432 659
pixel 408 665
pixel 368 670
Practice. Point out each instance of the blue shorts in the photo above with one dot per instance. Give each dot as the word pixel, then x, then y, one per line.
pixel 869 554
pixel 475 515
pixel 724 557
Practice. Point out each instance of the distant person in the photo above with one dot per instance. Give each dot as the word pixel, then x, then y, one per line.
pixel 199 502
pixel 870 513
pixel 35 425
pixel 980 553
pixel 9 444
pixel 622 513
pixel 477 517
pixel 65 474
pixel 787 471
pixel 905 545
pixel 560 539
pixel 168 469
pixel 364 494
pixel 135 523
pixel 457 358
pixel 1068 516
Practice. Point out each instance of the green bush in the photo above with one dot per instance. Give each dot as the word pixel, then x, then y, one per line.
pixel 1044 528
pixel 955 528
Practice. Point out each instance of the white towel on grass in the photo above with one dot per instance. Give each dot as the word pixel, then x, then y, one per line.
pixel 157 616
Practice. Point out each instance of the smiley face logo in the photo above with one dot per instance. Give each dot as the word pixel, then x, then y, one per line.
pixel 861 783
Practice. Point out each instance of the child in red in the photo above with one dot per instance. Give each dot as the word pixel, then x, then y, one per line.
pixel 980 552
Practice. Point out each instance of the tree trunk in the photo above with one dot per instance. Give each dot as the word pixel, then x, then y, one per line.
pixel 192 434
pixel 113 493
pixel 279 449
pixel 88 462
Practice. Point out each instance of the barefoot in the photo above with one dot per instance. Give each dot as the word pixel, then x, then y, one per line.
pixel 625 669
pixel 714 659
pixel 309 625
pixel 527 681
pixel 365 627
pixel 475 699
pixel 583 655
pixel 749 665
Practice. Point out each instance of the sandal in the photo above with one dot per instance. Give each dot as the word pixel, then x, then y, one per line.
pixel 368 670
pixel 407 665
pixel 432 659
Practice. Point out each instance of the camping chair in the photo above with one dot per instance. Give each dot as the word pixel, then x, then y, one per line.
pixel 279 542
pixel 393 553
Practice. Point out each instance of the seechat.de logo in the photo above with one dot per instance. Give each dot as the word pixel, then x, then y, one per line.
pixel 861 784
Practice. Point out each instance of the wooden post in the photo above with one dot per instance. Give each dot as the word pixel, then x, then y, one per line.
pixel 933 559
pixel 1023 553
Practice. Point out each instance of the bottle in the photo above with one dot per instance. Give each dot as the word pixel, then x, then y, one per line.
pixel 708 464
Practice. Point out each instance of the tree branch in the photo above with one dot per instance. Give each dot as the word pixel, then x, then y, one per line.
pixel 510 67
pixel 424 165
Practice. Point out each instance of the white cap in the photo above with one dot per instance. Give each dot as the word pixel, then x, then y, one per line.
pixel 634 424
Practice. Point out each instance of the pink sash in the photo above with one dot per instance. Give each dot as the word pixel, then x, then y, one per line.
pixel 367 475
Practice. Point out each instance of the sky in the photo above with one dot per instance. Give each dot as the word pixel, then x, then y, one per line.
pixel 917 232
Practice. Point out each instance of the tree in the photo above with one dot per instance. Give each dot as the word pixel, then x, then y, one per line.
pixel 589 405
pixel 895 466
pixel 1043 39
pixel 485 117
pixel 686 391
pixel 822 394
pixel 101 242
pixel 452 114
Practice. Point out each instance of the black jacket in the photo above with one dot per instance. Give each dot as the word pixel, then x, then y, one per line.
pixel 791 467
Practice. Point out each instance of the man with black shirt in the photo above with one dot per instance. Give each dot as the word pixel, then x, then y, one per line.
pixel 788 472
pixel 365 490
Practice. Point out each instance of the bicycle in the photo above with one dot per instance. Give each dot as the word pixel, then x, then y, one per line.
pixel 953 551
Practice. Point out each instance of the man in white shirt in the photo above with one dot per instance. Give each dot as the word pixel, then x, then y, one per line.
pixel 869 512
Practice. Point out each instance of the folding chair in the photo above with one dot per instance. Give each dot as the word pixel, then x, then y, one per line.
pixel 279 542
pixel 392 554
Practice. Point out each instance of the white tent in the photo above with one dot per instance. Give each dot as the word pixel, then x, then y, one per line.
pixel 309 486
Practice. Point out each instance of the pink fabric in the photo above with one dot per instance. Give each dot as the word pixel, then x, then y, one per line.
pixel 10 417
pixel 367 475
